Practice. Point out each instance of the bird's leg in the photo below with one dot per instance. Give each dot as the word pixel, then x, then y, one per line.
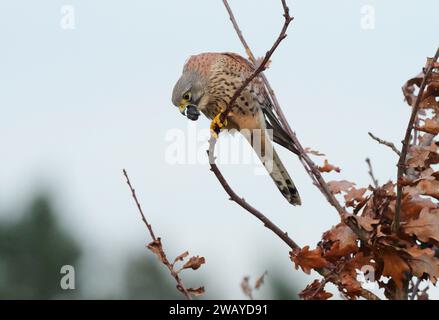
pixel 219 122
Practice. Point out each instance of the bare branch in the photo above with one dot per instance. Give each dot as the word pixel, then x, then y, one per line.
pixel 372 176
pixel 266 221
pixel 163 258
pixel 239 33
pixel 386 143
pixel 139 207
pixel 309 165
pixel 263 65
pixel 240 201
pixel 415 288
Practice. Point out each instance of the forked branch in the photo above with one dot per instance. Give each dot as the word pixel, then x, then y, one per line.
pixel 156 246
pixel 312 169
pixel 326 273
pixel 384 142
pixel 309 165
pixel 263 65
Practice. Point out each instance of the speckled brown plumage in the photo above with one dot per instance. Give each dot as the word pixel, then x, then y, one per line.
pixel 212 79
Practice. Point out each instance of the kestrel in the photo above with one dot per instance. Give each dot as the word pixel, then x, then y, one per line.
pixel 208 83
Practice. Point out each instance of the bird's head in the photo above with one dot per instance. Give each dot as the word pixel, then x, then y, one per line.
pixel 187 93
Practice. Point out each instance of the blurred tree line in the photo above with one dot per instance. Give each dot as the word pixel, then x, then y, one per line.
pixel 34 248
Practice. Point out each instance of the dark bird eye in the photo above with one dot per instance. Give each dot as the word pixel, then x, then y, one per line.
pixel 187 96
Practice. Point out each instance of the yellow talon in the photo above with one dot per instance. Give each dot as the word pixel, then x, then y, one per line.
pixel 216 125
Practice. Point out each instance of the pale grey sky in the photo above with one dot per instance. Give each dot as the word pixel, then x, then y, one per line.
pixel 79 105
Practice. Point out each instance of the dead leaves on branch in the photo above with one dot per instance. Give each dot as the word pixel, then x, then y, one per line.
pixel 157 248
pixel 315 291
pixel 193 263
pixel 429 99
pixel 426 227
pixel 337 187
pixel 430 126
pixel 309 259
pixel 421 157
pixel 248 289
pixel 327 167
pixel 423 262
pixel 196 291
pixel 399 257
pixel 338 242
pixel 181 257
pixel 393 265
pixel 392 259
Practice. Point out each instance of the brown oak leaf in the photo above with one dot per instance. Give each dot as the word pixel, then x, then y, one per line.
pixel 196 291
pixel 426 227
pixel 260 280
pixel 309 259
pixel 246 287
pixel 411 206
pixel 409 88
pixel 429 98
pixel 327 167
pixel 156 247
pixel 420 156
pixel 349 284
pixel 340 186
pixel 315 291
pixel 181 256
pixel 430 126
pixel 428 188
pixel 389 188
pixel 194 263
pixel 394 266
pixel 367 222
pixel 424 261
pixel 355 194
pixel 343 239
pixel 427 174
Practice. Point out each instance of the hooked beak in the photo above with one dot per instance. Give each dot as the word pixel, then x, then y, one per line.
pixel 189 110
pixel 182 107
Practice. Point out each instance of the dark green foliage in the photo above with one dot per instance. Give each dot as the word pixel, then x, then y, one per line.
pixel 32 252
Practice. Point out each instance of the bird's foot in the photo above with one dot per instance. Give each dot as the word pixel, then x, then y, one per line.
pixel 217 124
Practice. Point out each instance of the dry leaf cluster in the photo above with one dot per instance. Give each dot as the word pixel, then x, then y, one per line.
pixel 397 260
pixel 156 247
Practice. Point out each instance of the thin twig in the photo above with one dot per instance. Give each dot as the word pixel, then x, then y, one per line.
pixel 240 201
pixel 386 143
pixel 309 165
pixel 180 285
pixel 263 65
pixel 266 221
pixel 372 176
pixel 139 207
pixel 406 143
pixel 415 289
pixel 239 33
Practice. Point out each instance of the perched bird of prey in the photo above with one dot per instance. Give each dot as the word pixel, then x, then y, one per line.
pixel 208 83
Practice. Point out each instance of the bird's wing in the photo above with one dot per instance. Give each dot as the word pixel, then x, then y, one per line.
pixel 280 136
